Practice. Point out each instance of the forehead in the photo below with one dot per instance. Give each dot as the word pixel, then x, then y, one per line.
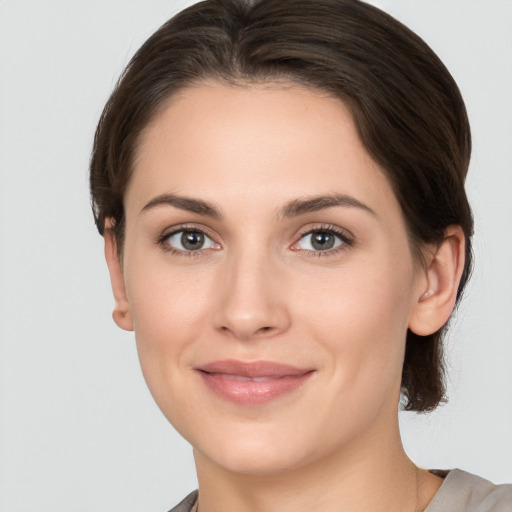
pixel 254 143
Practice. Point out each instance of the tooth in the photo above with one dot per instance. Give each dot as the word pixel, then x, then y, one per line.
pixel 241 378
pixel 237 377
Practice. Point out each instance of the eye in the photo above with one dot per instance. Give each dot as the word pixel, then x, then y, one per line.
pixel 322 240
pixel 188 240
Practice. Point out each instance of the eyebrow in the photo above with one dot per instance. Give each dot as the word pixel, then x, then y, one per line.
pixel 317 203
pixel 293 208
pixel 184 203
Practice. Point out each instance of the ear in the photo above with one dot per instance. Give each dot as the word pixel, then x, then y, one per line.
pixel 121 314
pixel 438 288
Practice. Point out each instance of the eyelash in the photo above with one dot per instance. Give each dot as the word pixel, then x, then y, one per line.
pixel 347 241
pixel 162 241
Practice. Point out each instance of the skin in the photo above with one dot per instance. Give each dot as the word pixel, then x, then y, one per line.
pixel 259 290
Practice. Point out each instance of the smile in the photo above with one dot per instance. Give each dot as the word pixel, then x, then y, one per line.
pixel 252 383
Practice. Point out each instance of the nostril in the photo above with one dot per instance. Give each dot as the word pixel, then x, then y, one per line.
pixel 264 329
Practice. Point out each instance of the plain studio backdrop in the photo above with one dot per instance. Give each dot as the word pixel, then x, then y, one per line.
pixel 79 431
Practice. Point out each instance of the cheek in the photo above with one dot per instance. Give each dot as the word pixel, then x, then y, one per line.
pixel 165 304
pixel 169 310
pixel 360 316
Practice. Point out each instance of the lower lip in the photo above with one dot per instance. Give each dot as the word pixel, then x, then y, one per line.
pixel 252 392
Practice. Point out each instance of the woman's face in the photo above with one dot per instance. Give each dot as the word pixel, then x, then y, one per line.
pixel 268 277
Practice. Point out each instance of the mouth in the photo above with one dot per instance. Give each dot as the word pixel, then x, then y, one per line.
pixel 252 383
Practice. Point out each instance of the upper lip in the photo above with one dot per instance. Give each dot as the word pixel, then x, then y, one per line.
pixel 252 369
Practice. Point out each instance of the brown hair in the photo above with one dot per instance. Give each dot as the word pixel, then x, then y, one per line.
pixel 407 108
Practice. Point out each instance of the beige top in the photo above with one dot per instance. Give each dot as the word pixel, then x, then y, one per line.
pixel 460 492
pixel 464 492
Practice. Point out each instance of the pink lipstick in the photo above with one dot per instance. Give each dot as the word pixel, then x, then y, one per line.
pixel 252 383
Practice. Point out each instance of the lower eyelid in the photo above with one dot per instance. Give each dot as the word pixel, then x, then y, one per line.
pixel 324 254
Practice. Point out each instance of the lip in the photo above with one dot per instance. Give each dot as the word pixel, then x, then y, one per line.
pixel 252 382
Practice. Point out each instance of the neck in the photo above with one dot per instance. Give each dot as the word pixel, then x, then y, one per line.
pixel 367 475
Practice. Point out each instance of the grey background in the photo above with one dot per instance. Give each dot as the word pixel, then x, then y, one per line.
pixel 78 429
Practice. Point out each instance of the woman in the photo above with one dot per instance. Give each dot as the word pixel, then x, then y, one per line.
pixel 280 186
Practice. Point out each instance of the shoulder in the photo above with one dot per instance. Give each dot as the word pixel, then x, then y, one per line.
pixel 460 492
pixel 187 504
pixel 464 492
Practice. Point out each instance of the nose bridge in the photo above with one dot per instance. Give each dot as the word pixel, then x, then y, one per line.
pixel 250 304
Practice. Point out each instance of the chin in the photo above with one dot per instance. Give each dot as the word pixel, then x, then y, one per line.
pixel 253 460
pixel 263 449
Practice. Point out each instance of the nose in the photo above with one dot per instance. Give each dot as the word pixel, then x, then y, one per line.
pixel 251 303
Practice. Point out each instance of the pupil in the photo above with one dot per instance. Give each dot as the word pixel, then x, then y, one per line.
pixel 192 240
pixel 322 240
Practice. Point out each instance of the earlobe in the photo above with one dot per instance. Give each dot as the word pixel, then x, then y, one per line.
pixel 121 314
pixel 437 297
